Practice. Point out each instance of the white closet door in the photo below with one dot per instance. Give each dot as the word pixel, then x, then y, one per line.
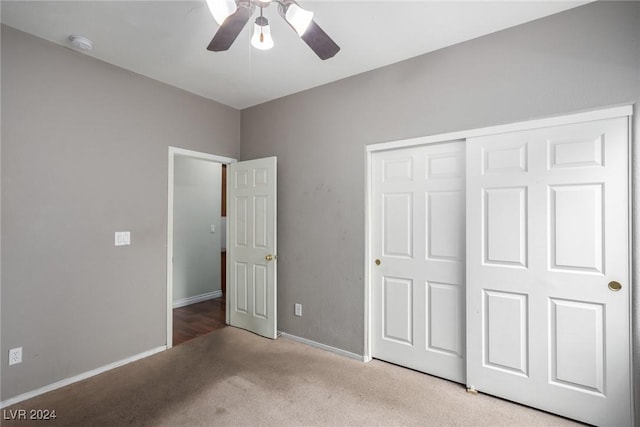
pixel 547 243
pixel 418 238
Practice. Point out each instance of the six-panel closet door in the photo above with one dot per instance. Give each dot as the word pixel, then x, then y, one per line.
pixel 548 283
pixel 418 246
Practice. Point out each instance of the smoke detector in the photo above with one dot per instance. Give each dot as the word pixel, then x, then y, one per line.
pixel 81 42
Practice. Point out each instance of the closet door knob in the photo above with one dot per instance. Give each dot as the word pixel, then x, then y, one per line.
pixel 377 261
pixel 615 286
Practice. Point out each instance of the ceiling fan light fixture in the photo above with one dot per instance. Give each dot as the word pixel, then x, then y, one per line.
pixel 221 9
pixel 298 17
pixel 262 34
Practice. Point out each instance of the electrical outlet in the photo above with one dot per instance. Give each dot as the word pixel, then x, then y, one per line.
pixel 15 356
pixel 298 310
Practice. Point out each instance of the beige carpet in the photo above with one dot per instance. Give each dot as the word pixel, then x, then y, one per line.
pixel 234 378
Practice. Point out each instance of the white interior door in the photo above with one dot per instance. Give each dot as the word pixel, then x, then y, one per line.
pixel 251 247
pixel 418 238
pixel 547 241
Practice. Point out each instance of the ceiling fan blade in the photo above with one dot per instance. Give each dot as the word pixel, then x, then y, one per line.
pixel 231 27
pixel 320 42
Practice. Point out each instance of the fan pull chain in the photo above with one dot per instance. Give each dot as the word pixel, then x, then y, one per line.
pixel 261 27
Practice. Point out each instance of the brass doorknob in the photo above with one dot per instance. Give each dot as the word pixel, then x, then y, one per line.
pixel 270 257
pixel 615 286
pixel 377 261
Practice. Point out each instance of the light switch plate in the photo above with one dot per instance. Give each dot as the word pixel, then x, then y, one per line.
pixel 122 238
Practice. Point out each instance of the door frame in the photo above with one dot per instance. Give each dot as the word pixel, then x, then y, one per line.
pixel 634 159
pixel 173 153
pixel 634 238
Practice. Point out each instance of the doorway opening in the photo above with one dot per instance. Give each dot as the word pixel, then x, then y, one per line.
pixel 196 244
pixel 198 319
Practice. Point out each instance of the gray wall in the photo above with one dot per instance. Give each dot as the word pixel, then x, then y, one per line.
pixel 585 58
pixel 197 197
pixel 85 154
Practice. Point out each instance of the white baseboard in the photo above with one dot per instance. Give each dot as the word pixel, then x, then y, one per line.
pixel 79 377
pixel 196 299
pixel 322 346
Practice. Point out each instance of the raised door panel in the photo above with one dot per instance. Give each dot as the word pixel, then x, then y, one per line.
pixel 440 166
pixel 397 233
pixel 261 291
pixel 261 222
pixel 506 332
pixel 505 158
pixel 445 237
pixel 398 170
pixel 445 314
pixel 505 226
pixel 577 348
pixel 241 286
pixel 576 228
pixel 240 225
pixel 577 152
pixel 397 309
pixel 241 180
pixel 260 178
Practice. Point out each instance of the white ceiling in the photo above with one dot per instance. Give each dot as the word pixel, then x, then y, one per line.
pixel 167 40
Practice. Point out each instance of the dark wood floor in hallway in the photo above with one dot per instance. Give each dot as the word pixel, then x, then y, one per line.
pixel 198 319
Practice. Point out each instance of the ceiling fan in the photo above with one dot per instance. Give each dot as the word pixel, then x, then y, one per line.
pixel 233 15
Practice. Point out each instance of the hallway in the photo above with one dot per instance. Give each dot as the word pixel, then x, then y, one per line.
pixel 199 319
